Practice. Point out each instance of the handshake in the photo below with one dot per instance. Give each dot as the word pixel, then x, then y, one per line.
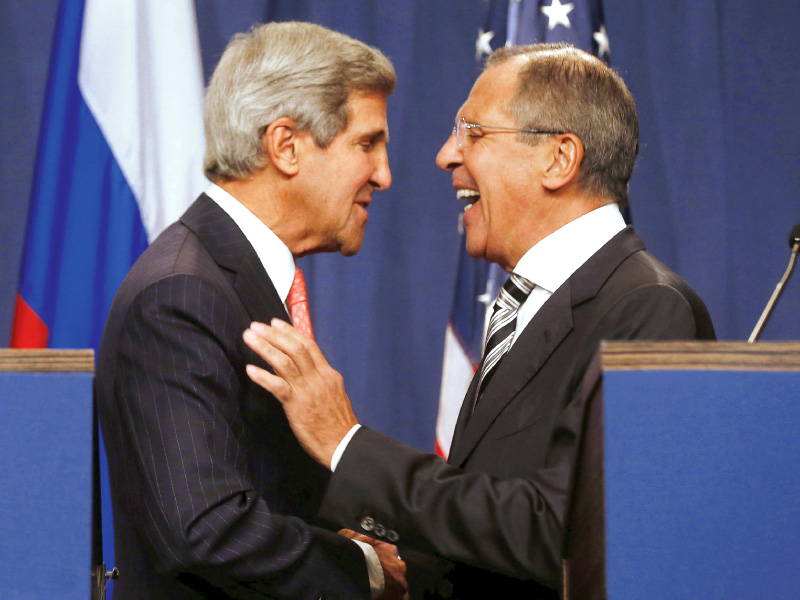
pixel 394 569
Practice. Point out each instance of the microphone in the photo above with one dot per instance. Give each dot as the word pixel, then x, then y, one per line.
pixel 794 244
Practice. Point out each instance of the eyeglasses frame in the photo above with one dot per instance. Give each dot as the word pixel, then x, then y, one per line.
pixel 463 125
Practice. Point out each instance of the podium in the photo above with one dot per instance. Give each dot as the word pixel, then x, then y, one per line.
pixel 687 483
pixel 48 546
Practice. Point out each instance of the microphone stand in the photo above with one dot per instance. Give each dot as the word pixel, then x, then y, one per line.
pixel 776 294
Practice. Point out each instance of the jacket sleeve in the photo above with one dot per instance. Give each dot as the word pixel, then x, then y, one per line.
pixel 178 395
pixel 388 490
pixel 512 525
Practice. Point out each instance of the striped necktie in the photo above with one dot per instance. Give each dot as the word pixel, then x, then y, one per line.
pixel 502 326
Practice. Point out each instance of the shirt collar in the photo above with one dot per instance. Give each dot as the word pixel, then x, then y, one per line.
pixel 272 252
pixel 552 261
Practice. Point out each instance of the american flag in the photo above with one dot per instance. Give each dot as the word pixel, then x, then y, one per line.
pixel 506 22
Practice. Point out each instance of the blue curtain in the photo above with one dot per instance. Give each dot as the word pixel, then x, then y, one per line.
pixel 717 186
pixel 715 192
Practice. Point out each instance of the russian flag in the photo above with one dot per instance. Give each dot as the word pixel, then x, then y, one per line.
pixel 119 158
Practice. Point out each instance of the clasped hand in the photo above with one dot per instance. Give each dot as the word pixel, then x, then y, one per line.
pixel 394 569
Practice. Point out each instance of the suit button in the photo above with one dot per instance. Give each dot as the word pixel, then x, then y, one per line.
pixel 392 535
pixel 380 530
pixel 367 523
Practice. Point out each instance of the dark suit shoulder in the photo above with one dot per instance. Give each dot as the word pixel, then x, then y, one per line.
pixel 642 267
pixel 176 257
pixel 645 299
pixel 174 283
pixel 177 251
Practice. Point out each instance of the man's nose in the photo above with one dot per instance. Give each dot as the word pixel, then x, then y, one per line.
pixel 449 156
pixel 382 176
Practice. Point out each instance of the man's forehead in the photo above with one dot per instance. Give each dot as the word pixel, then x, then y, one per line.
pixel 478 105
pixel 366 114
pixel 492 90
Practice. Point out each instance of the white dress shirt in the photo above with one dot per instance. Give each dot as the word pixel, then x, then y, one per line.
pixel 276 258
pixel 548 264
pixel 278 262
pixel 553 260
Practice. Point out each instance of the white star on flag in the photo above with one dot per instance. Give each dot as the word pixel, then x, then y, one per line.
pixel 482 43
pixel 557 14
pixel 601 37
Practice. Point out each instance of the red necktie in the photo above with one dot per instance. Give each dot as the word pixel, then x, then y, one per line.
pixel 297 301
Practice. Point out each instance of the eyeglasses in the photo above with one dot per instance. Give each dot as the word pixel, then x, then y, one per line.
pixel 461 127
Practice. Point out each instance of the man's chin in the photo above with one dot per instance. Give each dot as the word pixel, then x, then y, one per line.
pixel 343 247
pixel 475 248
pixel 351 247
pixel 480 251
pixel 349 251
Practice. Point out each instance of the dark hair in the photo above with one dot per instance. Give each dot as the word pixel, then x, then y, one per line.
pixel 566 89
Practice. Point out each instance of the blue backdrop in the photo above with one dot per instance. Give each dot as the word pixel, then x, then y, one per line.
pixel 715 192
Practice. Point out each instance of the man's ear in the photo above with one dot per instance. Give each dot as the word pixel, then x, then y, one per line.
pixel 281 142
pixel 565 161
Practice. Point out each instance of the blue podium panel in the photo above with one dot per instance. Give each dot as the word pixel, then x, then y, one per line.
pixel 46 486
pixel 702 484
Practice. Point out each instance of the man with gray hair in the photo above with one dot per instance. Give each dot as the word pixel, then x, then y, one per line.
pixel 541 151
pixel 213 496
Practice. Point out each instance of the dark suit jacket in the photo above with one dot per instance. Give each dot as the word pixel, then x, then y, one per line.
pixel 210 489
pixel 500 503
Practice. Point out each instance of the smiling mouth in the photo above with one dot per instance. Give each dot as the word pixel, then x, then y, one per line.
pixel 471 196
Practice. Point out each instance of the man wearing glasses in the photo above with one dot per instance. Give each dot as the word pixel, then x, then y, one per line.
pixel 542 151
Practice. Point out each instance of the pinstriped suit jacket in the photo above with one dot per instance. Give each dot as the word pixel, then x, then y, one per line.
pixel 210 488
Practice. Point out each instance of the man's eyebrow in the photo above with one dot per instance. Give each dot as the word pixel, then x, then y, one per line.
pixel 376 135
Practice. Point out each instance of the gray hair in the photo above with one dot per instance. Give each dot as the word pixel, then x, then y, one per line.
pixel 563 88
pixel 296 70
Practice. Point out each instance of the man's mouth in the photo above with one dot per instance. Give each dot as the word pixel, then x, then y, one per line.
pixel 470 196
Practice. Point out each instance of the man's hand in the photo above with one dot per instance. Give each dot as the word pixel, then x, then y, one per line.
pixel 394 569
pixel 311 391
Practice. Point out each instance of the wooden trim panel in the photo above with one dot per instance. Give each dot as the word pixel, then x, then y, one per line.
pixel 694 355
pixel 43 361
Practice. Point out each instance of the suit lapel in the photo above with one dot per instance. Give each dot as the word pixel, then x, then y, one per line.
pixel 538 341
pixel 230 249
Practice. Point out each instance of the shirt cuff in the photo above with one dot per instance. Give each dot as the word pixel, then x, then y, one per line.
pixel 374 568
pixel 337 454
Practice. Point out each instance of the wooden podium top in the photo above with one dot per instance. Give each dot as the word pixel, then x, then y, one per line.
pixel 713 356
pixel 45 360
